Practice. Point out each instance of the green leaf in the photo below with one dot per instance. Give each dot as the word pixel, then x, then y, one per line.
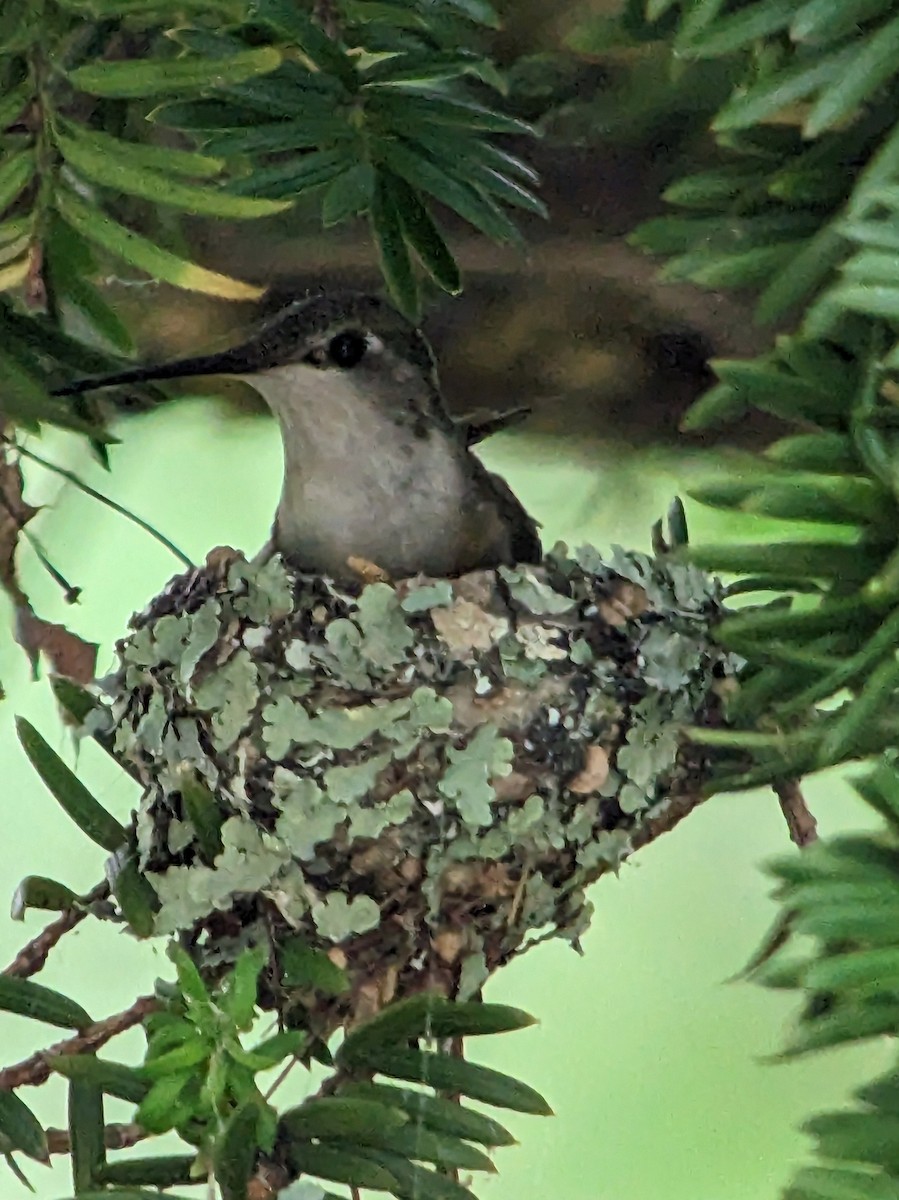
pixel 478 11
pixel 136 897
pixel 236 1150
pixel 393 253
pixel 435 1112
pixel 19 1124
pixel 304 967
pixel 86 1126
pixel 862 1137
pixel 804 560
pixel 137 79
pixel 127 1194
pixel 865 971
pixel 327 54
pixel 171 1101
pixel 415 1142
pixel 835 1183
pixel 106 167
pixel 803 275
pixel 238 992
pixel 715 268
pixel 822 21
pixel 340 1117
pixel 349 194
pixel 423 236
pixel 146 255
pixel 414 108
pixel 474 169
pixel 194 990
pixel 712 189
pixel 874 62
pixel 25 397
pixel 841 500
pixel 339 1166
pixel 877 695
pixel 203 115
pixel 880 789
pixel 273 137
pixel 446 1074
pixel 420 68
pixel 829 617
pixel 737 30
pixel 89 301
pixel 718 406
pixel 295 176
pixel 770 97
pixel 414 1182
pixel 14 100
pixel 289 1043
pixel 430 1015
pixel 423 175
pixel 152 1171
pixel 37 891
pixel 868 299
pixel 188 1055
pixel 203 812
pixel 40 1003
pixel 16 172
pixel 68 790
pixel 115 1079
pixel 166 159
pixel 769 387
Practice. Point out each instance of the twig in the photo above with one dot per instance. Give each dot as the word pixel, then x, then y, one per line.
pixel 36 1070
pixel 116 1136
pixel 32 957
pixel 802 825
pixel 324 12
pixel 107 500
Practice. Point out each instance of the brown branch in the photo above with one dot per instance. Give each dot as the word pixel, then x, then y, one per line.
pixel 116 1136
pixel 33 956
pixel 35 1069
pixel 802 825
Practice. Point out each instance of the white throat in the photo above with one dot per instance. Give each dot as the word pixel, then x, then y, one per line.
pixel 358 483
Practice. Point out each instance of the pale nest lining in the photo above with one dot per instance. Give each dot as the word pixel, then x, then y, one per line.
pixel 418 778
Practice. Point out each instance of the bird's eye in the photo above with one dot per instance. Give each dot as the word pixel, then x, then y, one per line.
pixel 347 348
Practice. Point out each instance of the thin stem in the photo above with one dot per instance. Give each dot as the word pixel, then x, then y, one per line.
pixel 33 956
pixel 110 503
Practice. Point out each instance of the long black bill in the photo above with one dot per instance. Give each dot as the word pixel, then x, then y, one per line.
pixel 229 362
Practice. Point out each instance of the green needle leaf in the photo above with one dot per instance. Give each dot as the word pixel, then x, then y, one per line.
pixel 422 174
pixel 455 1075
pixel 423 236
pixel 146 255
pixel 387 227
pixel 21 1126
pixel 106 167
pixel 350 193
pixel 41 1003
pixel 68 790
pixel 156 77
pixel 16 172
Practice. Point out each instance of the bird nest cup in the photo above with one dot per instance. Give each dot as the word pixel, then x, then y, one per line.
pixel 403 785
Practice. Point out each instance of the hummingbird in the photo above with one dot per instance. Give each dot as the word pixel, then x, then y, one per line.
pixel 375 468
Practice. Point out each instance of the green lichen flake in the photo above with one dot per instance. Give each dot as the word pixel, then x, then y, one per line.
pixel 428 596
pixel 230 693
pixel 466 782
pixel 337 918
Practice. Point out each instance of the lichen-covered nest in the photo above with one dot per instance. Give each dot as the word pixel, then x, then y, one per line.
pixel 417 778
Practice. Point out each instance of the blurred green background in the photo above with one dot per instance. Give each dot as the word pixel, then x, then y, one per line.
pixel 651 1060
